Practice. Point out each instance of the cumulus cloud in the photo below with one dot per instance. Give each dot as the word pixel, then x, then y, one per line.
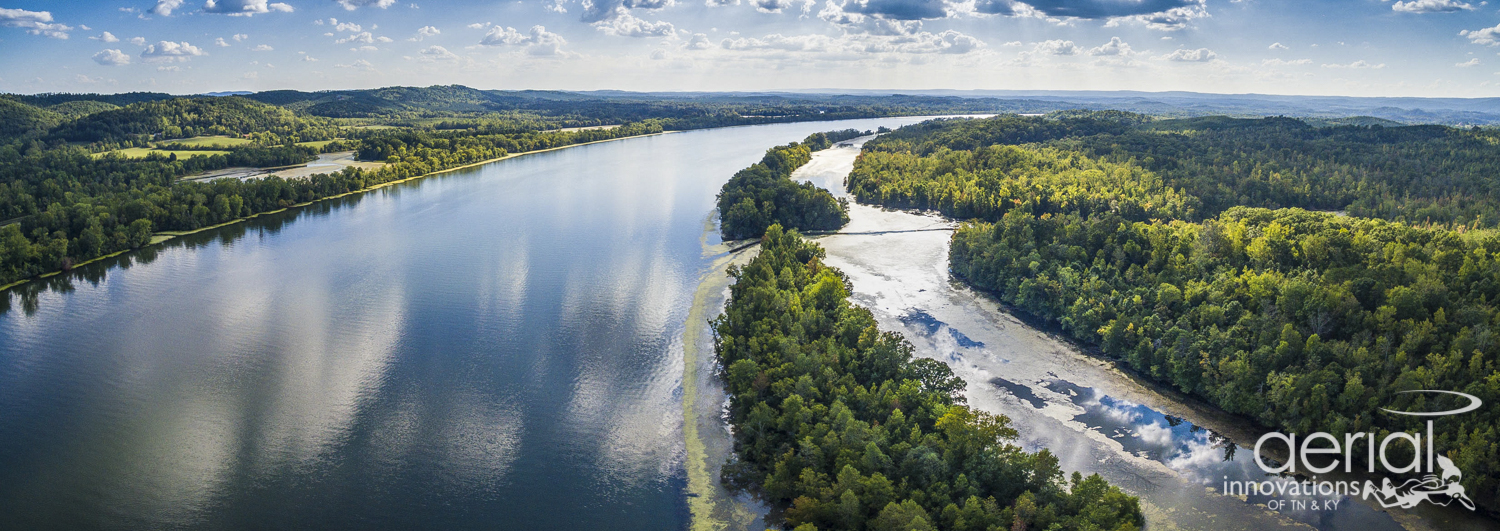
pixel 1165 15
pixel 1115 46
pixel 627 25
pixel 1280 62
pixel 765 6
pixel 658 54
pixel 1278 46
pixel 557 6
pixel 166 7
pixel 1469 63
pixel 220 43
pixel 244 8
pixel 1431 6
pixel 897 9
pixel 34 22
pixel 699 42
pixel 170 52
pixel 361 37
pixel 262 48
pixel 1360 64
pixel 240 37
pixel 352 5
pixel 1191 56
pixel 138 41
pixel 438 53
pixel 601 10
pixel 112 58
pixel 425 32
pixel 1485 36
pixel 538 41
pixel 105 37
pixel 1056 47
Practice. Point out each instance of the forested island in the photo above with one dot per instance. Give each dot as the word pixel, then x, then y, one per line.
pixel 763 194
pixel 1300 276
pixel 88 175
pixel 838 423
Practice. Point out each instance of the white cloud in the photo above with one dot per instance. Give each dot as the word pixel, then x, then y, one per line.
pixel 308 58
pixel 240 37
pixel 166 7
pixel 358 65
pixel 1485 36
pixel 352 5
pixel 34 22
pixel 344 26
pixel 220 43
pixel 361 37
pixel 1190 56
pixel 365 48
pixel 1278 46
pixel 1056 47
pixel 112 58
pixel 172 68
pixel 1431 6
pixel 262 48
pixel 627 25
pixel 138 41
pixel 1469 63
pixel 1115 46
pixel 244 8
pixel 438 53
pixel 557 7
pixel 168 52
pixel 427 31
pixel 477 25
pixel 1280 62
pixel 1360 64
pixel 857 46
pixel 773 6
pixel 383 38
pixel 105 37
pixel 699 42
pixel 658 54
pixel 538 41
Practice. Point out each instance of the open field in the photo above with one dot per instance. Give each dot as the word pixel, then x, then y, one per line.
pixel 141 153
pixel 317 144
pixel 208 141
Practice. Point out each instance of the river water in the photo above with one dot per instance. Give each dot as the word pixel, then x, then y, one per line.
pixel 496 347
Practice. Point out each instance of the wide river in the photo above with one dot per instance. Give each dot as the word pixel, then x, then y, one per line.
pixel 520 345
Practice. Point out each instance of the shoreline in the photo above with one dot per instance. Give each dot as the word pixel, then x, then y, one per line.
pixel 166 236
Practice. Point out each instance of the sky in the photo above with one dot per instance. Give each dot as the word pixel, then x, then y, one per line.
pixel 1432 48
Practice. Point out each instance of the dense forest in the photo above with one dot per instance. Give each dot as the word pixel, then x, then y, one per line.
pixel 1305 321
pixel 763 194
pixel 836 421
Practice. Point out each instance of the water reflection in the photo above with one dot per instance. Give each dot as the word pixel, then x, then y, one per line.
pixel 498 346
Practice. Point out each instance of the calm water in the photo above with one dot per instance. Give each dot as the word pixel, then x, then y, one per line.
pixel 486 348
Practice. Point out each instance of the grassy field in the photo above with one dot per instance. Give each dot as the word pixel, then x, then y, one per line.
pixel 316 145
pixel 140 153
pixel 207 141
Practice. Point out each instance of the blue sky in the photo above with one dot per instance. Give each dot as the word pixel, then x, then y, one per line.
pixel 1350 47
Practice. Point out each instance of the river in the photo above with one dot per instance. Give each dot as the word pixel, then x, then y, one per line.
pixel 495 347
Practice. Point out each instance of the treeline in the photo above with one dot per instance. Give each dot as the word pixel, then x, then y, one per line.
pixel 1305 321
pixel 989 181
pixel 1417 174
pixel 763 194
pixel 73 207
pixel 189 117
pixel 838 423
